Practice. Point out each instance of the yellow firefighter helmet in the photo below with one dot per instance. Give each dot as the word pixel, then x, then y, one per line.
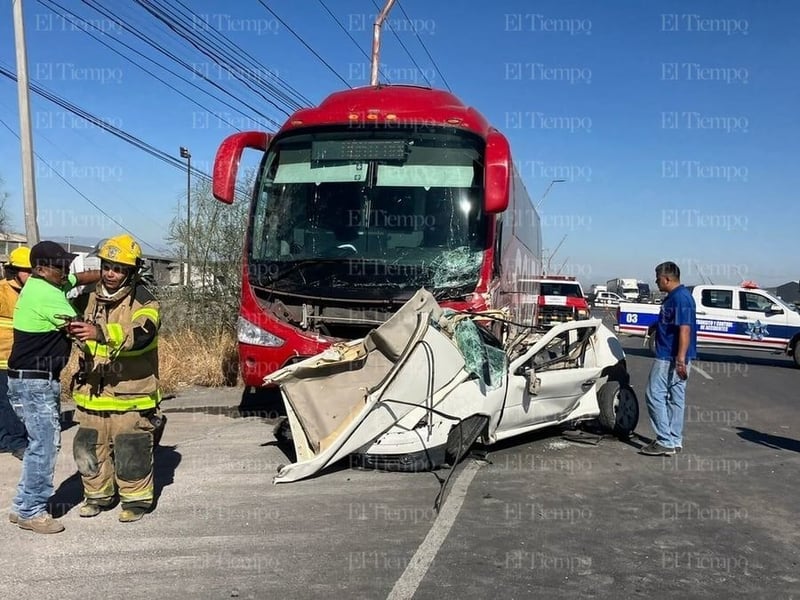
pixel 121 249
pixel 20 258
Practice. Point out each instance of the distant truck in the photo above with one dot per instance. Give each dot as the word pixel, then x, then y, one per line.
pixel 553 299
pixel 732 317
pixel 594 290
pixel 644 293
pixel 625 287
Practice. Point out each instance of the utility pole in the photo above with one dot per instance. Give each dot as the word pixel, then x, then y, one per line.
pixel 25 137
pixel 188 156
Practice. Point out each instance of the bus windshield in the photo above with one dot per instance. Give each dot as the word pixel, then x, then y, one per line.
pixel 370 211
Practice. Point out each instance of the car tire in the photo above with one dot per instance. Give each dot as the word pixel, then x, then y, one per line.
pixel 619 408
pixel 796 353
pixel 651 342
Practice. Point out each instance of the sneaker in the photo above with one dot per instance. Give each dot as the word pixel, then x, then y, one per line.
pixel 656 449
pixel 42 523
pixel 131 514
pixel 19 453
pixel 13 517
pixel 93 507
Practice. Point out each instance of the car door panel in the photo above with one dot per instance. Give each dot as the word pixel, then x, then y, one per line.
pixel 555 363
pixel 757 328
pixel 716 322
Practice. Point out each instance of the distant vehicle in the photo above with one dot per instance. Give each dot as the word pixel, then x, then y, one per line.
pixel 728 316
pixel 607 299
pixel 596 287
pixel 644 293
pixel 626 287
pixel 554 300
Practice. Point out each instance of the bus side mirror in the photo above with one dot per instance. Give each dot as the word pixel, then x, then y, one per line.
pixel 226 163
pixel 497 177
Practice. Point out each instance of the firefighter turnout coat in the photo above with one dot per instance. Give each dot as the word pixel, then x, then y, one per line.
pixel 9 293
pixel 120 371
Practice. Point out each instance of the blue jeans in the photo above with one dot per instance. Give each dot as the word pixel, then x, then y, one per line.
pixel 12 431
pixel 666 400
pixel 38 403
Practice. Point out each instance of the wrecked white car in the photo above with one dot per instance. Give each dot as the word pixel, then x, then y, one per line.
pixel 419 390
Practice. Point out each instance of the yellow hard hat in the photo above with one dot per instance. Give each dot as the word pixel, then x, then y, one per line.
pixel 122 249
pixel 20 258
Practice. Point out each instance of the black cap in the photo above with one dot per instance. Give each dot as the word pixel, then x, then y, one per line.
pixel 51 253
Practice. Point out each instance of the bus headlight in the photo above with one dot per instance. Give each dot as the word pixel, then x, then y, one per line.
pixel 248 333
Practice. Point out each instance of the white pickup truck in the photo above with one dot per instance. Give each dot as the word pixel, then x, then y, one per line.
pixel 734 317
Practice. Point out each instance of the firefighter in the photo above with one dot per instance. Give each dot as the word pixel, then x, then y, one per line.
pixel 13 437
pixel 116 389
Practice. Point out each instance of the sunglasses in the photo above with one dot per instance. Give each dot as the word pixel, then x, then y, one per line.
pixel 119 269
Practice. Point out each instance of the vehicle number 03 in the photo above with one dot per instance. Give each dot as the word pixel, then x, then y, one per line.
pixel 632 318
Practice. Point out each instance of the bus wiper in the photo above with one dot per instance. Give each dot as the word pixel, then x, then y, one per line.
pixel 275 277
pixel 449 294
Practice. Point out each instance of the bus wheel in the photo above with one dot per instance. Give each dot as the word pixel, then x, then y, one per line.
pixel 619 408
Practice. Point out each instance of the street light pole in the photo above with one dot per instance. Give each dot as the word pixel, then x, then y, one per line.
pixel 553 253
pixel 538 204
pixel 188 156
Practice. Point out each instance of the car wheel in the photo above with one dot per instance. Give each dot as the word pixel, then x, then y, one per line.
pixel 651 342
pixel 619 408
pixel 796 353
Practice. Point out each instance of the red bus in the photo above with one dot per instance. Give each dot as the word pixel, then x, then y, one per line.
pixel 361 201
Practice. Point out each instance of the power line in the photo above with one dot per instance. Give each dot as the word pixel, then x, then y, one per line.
pixel 123 135
pixel 352 39
pixel 302 41
pixel 438 70
pixel 75 19
pixel 299 98
pixel 186 30
pixel 108 127
pixel 404 47
pixel 182 62
pixel 81 194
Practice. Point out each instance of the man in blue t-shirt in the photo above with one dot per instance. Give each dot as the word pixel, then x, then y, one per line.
pixel 676 347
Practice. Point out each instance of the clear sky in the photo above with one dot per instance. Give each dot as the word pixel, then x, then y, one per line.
pixel 673 123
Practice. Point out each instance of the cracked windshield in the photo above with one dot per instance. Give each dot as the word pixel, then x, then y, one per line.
pixel 370 213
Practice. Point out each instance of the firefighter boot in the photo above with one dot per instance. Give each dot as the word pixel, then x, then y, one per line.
pixel 93 506
pixel 133 511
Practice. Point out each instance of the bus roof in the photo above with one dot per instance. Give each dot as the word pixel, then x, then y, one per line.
pixel 392 105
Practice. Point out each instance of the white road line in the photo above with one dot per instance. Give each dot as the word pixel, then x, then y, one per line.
pixel 419 564
pixel 703 373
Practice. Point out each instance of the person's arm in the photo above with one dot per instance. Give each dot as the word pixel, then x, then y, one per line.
pixel 139 334
pixel 86 277
pixel 684 318
pixel 684 336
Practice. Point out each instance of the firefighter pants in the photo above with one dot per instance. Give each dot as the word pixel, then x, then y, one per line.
pixel 114 454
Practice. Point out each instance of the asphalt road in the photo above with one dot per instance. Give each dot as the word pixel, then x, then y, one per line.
pixel 540 517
